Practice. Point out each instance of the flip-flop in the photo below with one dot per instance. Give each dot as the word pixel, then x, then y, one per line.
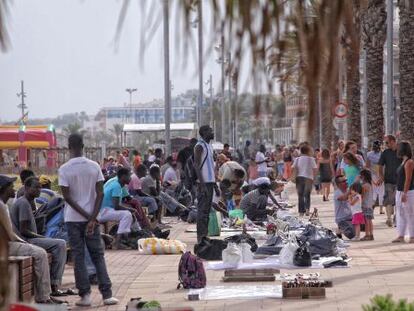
pixel 398 240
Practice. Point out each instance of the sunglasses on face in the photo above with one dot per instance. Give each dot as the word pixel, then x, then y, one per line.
pixel 341 181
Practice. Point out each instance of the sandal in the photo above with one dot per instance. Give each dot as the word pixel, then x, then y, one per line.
pixel 411 241
pixel 398 240
pixel 58 293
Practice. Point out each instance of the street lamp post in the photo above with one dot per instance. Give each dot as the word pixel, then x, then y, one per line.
pixel 209 82
pixel 22 105
pixel 167 86
pixel 200 62
pixel 130 91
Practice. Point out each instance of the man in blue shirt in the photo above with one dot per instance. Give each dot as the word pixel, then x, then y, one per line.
pixel 112 208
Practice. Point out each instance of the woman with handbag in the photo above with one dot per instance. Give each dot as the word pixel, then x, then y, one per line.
pixel 305 169
pixel 405 194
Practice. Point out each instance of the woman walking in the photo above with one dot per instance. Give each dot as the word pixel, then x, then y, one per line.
pixel 287 160
pixel 305 169
pixel 326 172
pixel 405 194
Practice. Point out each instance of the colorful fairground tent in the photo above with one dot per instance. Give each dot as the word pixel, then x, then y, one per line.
pixel 24 138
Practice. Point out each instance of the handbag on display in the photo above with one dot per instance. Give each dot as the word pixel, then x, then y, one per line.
pixel 302 257
pixel 210 249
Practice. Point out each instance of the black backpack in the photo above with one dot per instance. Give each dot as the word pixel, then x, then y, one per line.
pixel 190 174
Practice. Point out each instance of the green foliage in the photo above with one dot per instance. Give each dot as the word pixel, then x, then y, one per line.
pixel 386 303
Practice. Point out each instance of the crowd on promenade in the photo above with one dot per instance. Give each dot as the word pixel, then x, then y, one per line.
pixel 135 190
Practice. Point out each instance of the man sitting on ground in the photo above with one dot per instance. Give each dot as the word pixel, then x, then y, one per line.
pixel 254 203
pixel 135 189
pixel 21 214
pixel 112 207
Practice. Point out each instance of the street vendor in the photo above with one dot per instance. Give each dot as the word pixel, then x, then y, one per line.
pixel 231 176
pixel 254 203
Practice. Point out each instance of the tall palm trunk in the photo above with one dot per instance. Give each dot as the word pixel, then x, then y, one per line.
pixel 407 69
pixel 353 89
pixel 374 35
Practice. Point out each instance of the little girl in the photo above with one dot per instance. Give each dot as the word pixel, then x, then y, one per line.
pixel 355 201
pixel 367 204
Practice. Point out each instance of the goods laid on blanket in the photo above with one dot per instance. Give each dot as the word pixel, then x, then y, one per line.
pixel 289 242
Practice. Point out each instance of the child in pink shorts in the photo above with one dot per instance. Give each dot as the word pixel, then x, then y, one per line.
pixel 355 201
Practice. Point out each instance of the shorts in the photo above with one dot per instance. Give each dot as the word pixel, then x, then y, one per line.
pixel 389 194
pixel 368 213
pixel 358 219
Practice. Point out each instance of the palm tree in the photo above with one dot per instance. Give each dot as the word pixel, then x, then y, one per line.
pixel 265 25
pixel 406 45
pixel 73 128
pixel 353 89
pixel 117 130
pixel 373 36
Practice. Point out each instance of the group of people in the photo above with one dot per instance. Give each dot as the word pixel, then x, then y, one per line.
pixel 134 193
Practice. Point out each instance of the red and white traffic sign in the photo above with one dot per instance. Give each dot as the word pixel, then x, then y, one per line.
pixel 340 110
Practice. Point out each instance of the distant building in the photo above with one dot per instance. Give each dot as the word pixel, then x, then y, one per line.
pixel 293 125
pixel 182 110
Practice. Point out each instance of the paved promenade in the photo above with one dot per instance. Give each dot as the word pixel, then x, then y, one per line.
pixel 378 267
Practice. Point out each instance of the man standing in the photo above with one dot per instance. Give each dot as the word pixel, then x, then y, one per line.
pixel 81 181
pixel 388 175
pixel 261 161
pixel 204 167
pixel 24 223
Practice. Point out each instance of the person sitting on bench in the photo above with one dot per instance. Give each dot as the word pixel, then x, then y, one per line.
pixel 135 189
pixel 24 223
pixel 112 207
pixel 19 247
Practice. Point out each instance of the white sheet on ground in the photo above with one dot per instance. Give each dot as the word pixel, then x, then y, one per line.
pixel 271 262
pixel 238 291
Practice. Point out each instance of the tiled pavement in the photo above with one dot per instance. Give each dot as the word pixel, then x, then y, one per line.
pixel 378 267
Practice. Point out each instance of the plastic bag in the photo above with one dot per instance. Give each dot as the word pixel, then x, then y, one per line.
pixel 210 249
pixel 321 241
pixel 243 238
pixel 214 223
pixel 236 213
pixel 347 229
pixel 232 255
pixel 288 251
pixel 272 246
pixel 155 246
pixel 247 255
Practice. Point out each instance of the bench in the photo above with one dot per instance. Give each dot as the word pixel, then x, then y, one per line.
pixel 21 272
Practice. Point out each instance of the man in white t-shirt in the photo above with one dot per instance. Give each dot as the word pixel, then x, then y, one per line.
pixel 305 170
pixel 81 181
pixel 261 161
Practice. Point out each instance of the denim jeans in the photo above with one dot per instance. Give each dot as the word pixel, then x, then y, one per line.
pixel 78 239
pixel 40 265
pixel 304 189
pixel 62 233
pixel 204 201
pixel 149 202
pixel 57 248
